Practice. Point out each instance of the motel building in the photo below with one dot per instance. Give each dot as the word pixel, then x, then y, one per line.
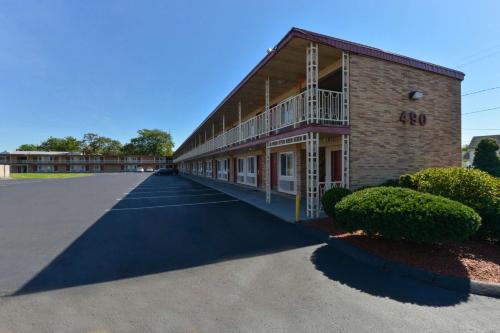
pixel 54 161
pixel 319 112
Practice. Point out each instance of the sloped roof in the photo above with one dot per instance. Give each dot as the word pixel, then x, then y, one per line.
pixel 476 139
pixel 337 43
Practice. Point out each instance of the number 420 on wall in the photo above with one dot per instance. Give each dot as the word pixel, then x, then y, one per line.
pixel 412 118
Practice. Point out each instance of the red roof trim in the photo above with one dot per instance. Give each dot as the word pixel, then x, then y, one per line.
pixel 340 44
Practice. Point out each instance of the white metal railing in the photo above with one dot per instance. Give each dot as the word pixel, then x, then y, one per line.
pixel 292 111
pixel 325 186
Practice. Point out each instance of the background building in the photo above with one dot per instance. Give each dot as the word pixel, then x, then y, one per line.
pixel 42 161
pixel 468 157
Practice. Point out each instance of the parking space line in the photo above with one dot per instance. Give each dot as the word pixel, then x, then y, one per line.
pixel 172 196
pixel 175 205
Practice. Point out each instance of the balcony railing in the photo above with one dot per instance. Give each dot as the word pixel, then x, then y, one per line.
pixel 290 112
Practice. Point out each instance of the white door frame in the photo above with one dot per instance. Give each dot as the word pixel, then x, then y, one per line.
pixel 293 177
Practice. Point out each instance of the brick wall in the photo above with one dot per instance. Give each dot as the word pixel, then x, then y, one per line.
pixel 382 147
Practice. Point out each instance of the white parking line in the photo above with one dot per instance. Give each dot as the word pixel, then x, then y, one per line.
pixel 175 205
pixel 172 196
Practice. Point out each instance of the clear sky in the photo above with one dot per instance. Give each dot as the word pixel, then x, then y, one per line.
pixel 112 67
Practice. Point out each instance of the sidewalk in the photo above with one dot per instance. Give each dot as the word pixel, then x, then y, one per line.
pixel 281 206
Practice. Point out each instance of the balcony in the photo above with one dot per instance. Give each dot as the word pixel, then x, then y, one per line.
pixel 289 113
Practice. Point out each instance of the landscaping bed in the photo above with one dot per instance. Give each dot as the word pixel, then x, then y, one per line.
pixel 476 260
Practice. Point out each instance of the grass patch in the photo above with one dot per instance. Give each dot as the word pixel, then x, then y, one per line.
pixel 47 175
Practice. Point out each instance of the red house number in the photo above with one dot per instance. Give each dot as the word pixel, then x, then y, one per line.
pixel 412 118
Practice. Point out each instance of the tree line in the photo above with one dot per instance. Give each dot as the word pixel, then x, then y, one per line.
pixel 150 142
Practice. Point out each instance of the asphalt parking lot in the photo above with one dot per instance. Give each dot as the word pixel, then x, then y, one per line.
pixel 129 252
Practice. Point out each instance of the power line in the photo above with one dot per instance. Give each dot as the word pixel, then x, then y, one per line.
pixel 480 91
pixel 484 110
pixel 481 129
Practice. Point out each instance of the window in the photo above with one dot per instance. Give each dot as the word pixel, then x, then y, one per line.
pixel 251 178
pixel 222 169
pixel 286 164
pixel 246 170
pixel 208 168
pixel 287 173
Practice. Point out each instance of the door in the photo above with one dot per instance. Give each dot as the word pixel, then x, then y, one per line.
pixel 274 170
pixel 336 167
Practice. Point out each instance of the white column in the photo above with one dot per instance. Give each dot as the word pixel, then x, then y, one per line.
pixel 345 160
pixel 312 174
pixel 267 116
pixel 268 174
pixel 223 131
pixel 312 83
pixel 240 134
pixel 345 88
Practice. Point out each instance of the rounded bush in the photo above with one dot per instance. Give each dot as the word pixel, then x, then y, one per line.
pixel 472 187
pixel 331 197
pixel 400 213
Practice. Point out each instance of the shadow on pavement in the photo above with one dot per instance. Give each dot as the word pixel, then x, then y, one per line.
pixel 131 243
pixel 343 269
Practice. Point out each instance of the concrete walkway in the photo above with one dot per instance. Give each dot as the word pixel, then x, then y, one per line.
pixel 282 206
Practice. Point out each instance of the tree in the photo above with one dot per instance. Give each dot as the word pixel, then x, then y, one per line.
pixel 486 158
pixel 111 147
pixel 69 143
pixel 150 142
pixel 28 147
pixel 94 144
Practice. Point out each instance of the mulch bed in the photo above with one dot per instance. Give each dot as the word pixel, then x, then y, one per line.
pixel 472 259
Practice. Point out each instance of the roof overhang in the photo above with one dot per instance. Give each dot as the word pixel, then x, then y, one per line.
pixel 285 66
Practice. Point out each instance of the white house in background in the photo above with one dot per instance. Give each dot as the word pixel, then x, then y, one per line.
pixel 468 157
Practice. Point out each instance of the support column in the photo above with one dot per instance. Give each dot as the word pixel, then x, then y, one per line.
pixel 312 115
pixel 267 116
pixel 345 160
pixel 312 174
pixel 345 88
pixel 268 174
pixel 240 134
pixel 223 131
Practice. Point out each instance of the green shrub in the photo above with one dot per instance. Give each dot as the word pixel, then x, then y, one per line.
pixel 400 213
pixel 331 197
pixel 406 181
pixel 486 158
pixel 390 183
pixel 472 187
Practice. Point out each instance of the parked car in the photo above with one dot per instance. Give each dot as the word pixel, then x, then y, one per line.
pixel 149 170
pixel 166 172
pixel 140 169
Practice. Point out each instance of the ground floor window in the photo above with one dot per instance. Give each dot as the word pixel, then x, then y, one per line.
pixel 247 170
pixel 77 168
pixel 222 169
pixel 96 168
pixel 286 175
pixel 200 168
pixel 131 167
pixel 208 168
pixel 45 168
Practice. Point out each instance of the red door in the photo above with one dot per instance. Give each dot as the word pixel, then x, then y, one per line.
pixel 274 170
pixel 336 165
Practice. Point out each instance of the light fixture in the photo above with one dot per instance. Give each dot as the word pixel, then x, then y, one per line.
pixel 416 95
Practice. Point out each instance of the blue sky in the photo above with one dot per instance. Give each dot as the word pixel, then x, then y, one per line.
pixel 113 67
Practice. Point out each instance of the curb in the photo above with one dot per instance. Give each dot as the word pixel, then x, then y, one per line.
pixel 489 289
